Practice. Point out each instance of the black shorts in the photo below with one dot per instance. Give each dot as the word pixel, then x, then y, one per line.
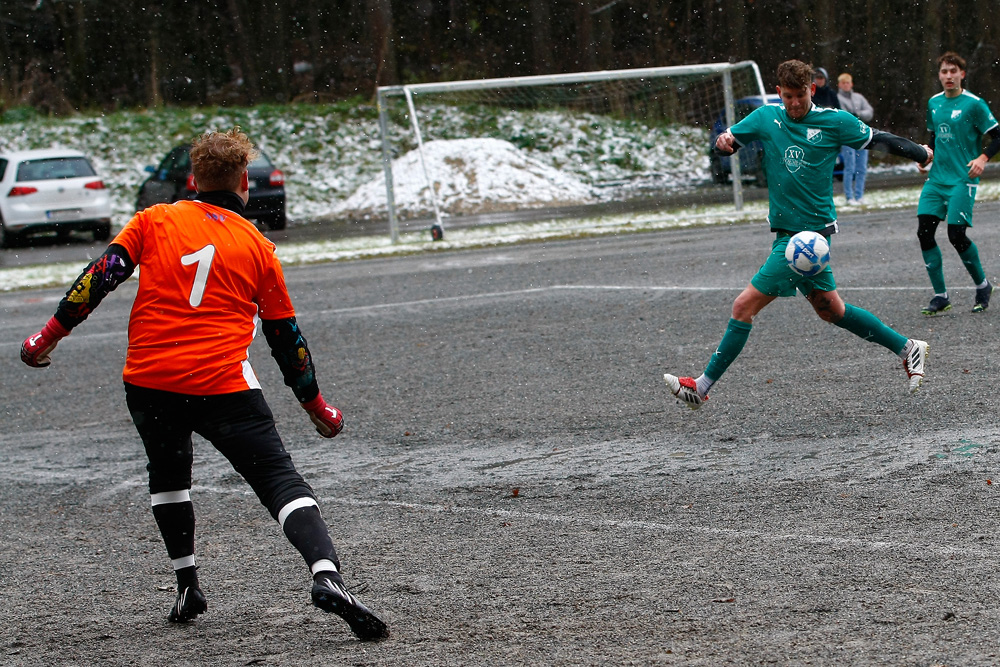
pixel 239 425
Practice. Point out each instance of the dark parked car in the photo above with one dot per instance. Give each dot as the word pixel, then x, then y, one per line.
pixel 751 155
pixel 172 181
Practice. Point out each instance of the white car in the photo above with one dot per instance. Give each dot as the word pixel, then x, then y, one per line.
pixel 51 190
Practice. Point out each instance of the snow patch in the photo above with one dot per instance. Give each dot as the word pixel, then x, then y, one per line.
pixel 469 176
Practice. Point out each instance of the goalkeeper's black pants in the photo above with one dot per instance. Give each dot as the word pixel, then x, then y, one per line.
pixel 241 426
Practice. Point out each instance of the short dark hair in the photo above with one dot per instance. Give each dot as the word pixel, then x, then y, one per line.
pixel 218 159
pixel 795 74
pixel 952 58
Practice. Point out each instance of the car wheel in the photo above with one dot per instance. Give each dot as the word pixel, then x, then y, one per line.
pixel 102 232
pixel 276 222
pixel 7 239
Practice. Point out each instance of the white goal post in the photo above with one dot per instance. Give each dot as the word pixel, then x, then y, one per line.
pixel 641 114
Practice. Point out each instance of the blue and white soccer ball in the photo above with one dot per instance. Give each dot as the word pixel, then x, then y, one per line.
pixel 807 253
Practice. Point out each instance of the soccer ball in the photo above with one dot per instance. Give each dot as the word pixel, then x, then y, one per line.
pixel 807 253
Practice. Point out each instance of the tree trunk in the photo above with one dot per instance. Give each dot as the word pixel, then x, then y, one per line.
pixel 541 36
pixel 587 60
pixel 247 67
pixel 381 30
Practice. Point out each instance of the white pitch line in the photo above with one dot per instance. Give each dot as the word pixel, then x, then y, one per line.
pixel 555 288
pixel 655 526
pixel 633 524
pixel 531 290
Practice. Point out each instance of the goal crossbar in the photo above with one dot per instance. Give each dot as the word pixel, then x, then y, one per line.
pixel 573 77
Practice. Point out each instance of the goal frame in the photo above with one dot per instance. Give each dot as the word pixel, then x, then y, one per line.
pixel 409 91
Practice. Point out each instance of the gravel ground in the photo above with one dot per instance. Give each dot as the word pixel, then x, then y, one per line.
pixel 515 485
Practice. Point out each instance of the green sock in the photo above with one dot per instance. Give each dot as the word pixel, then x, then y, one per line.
pixel 862 323
pixel 933 263
pixel 732 344
pixel 971 260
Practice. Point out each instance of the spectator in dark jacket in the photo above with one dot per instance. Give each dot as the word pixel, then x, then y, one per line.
pixel 825 96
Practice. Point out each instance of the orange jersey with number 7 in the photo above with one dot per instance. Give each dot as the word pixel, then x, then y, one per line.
pixel 205 276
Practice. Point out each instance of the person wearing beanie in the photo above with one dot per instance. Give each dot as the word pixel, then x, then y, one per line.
pixel 825 96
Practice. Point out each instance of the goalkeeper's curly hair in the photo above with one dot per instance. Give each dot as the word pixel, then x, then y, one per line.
pixel 218 159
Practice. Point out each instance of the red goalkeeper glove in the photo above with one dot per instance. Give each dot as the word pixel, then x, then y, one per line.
pixel 35 350
pixel 329 420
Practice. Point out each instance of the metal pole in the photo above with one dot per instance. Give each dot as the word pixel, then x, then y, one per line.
pixel 734 161
pixel 437 230
pixel 390 199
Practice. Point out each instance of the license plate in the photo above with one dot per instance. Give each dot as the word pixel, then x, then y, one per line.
pixel 253 184
pixel 64 214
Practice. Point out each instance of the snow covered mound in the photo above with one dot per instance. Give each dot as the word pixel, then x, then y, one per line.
pixel 469 176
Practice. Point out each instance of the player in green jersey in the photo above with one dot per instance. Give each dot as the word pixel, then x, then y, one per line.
pixel 801 143
pixel 957 121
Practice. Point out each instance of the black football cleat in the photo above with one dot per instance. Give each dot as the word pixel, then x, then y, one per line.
pixel 938 305
pixel 982 298
pixel 190 602
pixel 329 594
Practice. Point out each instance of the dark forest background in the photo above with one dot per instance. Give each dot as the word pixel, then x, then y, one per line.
pixel 60 56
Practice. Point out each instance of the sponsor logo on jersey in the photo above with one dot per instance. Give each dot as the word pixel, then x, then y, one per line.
pixel 794 158
pixel 944 132
pixel 814 135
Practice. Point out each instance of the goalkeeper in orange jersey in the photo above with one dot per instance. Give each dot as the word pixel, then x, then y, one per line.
pixel 207 277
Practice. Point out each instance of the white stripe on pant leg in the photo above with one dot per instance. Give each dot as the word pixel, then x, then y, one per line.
pixel 298 503
pixel 181 563
pixel 167 497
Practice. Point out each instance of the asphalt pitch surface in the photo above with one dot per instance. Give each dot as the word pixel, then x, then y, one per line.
pixel 515 485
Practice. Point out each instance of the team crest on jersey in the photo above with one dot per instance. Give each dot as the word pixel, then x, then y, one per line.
pixel 794 158
pixel 956 114
pixel 813 135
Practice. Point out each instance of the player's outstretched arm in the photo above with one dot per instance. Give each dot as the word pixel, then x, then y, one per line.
pixel 98 280
pixel 290 350
pixel 921 154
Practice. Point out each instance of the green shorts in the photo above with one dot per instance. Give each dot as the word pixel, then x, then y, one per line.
pixel 774 278
pixel 948 202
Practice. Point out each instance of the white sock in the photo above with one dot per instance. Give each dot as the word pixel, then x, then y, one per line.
pixel 703 383
pixel 983 284
pixel 324 565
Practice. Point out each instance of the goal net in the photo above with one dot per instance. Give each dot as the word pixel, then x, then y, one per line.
pixel 496 147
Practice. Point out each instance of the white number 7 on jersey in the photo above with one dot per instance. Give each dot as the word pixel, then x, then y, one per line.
pixel 203 258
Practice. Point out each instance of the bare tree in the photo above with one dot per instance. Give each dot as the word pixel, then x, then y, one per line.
pixel 380 26
pixel 541 37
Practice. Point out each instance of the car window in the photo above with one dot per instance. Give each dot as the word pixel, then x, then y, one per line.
pixel 54 168
pixel 3 167
pixel 261 163
pixel 177 161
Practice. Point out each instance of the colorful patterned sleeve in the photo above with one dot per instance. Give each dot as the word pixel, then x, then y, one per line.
pixel 289 349
pixel 99 279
